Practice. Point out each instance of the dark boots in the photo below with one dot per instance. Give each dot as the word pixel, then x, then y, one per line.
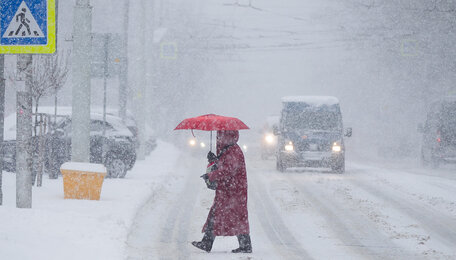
pixel 206 243
pixel 245 245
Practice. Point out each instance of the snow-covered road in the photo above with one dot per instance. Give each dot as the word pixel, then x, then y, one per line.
pixel 368 213
pixel 373 211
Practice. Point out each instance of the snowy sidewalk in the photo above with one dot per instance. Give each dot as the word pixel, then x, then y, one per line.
pixel 70 229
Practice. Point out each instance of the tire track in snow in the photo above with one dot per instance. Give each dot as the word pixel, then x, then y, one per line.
pixel 441 178
pixel 174 233
pixel 436 223
pixel 165 239
pixel 355 231
pixel 277 232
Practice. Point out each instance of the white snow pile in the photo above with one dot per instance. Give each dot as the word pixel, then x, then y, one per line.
pixel 84 167
pixel 56 228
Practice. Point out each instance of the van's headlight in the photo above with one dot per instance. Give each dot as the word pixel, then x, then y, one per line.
pixel 202 145
pixel 192 142
pixel 289 147
pixel 336 148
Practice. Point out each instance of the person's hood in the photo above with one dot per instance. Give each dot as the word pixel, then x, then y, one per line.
pixel 226 138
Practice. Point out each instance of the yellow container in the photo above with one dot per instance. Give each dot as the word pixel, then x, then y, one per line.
pixel 82 184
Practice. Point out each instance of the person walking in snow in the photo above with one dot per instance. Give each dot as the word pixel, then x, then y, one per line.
pixel 228 215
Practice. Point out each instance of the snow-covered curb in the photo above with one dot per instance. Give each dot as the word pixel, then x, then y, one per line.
pixel 70 229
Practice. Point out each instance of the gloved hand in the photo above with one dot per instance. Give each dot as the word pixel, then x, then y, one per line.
pixel 209 184
pixel 211 157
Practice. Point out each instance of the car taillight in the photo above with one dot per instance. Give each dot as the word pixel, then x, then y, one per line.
pixel 439 140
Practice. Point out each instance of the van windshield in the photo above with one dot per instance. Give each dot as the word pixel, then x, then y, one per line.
pixel 309 119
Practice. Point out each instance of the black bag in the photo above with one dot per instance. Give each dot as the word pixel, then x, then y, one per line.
pixel 212 158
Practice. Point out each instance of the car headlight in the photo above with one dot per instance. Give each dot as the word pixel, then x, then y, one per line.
pixel 269 139
pixel 202 145
pixel 289 147
pixel 336 148
pixel 192 142
pixel 244 147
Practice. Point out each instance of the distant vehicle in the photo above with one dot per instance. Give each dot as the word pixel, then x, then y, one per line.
pixel 268 139
pixel 311 134
pixel 200 144
pixel 439 133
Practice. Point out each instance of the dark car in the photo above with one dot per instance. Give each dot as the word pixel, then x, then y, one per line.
pixel 115 148
pixel 150 142
pixel 439 133
pixel 310 134
pixel 9 141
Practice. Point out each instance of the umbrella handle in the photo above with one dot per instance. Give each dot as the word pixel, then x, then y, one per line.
pixel 193 134
pixel 211 143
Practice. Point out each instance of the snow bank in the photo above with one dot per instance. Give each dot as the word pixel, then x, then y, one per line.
pixel 83 167
pixel 79 229
pixel 312 100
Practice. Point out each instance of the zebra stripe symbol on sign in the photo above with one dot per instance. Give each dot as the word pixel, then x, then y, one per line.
pixel 23 24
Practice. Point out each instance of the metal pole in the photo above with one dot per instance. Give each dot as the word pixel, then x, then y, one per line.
pixel 2 116
pixel 123 77
pixel 82 48
pixel 57 44
pixel 141 88
pixel 24 136
pixel 105 77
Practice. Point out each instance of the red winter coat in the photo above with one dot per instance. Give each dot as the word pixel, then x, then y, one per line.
pixel 230 214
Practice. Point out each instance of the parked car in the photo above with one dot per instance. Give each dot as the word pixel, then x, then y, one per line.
pixel 130 122
pixel 115 149
pixel 439 133
pixel 310 134
pixel 9 141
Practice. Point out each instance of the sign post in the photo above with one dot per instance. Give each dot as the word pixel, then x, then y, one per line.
pixel 26 27
pixel 80 116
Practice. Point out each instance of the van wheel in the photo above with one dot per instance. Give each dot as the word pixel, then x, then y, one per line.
pixel 339 167
pixel 280 165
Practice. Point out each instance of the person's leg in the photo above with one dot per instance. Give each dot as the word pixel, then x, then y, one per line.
pixel 208 238
pixel 245 244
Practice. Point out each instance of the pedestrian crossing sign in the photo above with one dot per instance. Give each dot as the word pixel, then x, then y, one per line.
pixel 27 26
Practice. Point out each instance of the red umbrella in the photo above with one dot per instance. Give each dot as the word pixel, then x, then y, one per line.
pixel 212 122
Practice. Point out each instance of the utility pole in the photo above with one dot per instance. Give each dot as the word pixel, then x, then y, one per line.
pixel 2 117
pixel 141 87
pixel 123 78
pixel 24 135
pixel 82 48
pixel 57 43
pixel 107 39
